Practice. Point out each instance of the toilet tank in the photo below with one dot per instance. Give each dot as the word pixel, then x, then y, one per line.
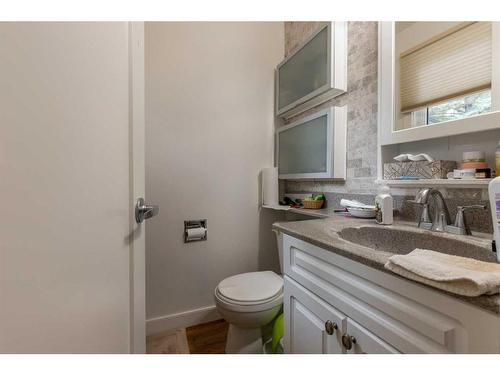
pixel 279 240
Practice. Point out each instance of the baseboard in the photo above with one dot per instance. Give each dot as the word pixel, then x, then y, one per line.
pixel 181 320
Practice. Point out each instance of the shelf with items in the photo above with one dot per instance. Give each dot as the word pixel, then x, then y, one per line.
pixel 321 213
pixel 443 149
pixel 450 183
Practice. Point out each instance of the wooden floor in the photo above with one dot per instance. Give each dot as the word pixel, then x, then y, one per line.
pixel 170 342
pixel 207 338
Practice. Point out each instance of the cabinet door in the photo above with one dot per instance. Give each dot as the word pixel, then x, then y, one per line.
pixel 311 325
pixel 362 341
pixel 315 72
pixel 306 72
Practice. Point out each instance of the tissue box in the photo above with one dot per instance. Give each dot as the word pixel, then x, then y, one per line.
pixel 422 169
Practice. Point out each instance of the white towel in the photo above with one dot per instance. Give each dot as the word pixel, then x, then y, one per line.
pixel 459 275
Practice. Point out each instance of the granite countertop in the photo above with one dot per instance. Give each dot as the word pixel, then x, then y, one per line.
pixel 324 233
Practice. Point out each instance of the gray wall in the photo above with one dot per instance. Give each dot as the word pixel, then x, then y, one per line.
pixel 209 132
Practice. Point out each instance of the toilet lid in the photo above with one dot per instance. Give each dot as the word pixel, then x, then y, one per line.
pixel 251 286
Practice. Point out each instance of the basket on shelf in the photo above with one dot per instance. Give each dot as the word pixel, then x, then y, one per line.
pixel 315 205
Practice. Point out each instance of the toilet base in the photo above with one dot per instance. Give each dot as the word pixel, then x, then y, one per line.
pixel 243 340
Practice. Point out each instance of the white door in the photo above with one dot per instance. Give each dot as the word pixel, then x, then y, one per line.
pixel 71 168
pixel 358 340
pixel 311 325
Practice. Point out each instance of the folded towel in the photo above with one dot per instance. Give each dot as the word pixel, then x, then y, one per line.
pixel 459 275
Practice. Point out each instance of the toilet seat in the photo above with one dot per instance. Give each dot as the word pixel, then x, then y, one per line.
pixel 250 292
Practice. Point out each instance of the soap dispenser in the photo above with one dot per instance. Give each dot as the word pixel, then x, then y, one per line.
pixel 494 194
pixel 384 206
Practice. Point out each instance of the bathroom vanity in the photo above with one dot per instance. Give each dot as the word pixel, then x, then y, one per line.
pixel 338 298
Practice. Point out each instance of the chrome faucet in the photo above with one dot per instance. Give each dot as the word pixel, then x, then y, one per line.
pixel 441 220
pixel 441 217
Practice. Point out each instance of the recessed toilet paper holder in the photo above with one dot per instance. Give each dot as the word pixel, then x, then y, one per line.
pixel 195 224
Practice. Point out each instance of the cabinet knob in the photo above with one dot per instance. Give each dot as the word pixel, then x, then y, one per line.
pixel 347 341
pixel 330 327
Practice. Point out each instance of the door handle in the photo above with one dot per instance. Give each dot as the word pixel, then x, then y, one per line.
pixel 145 211
pixel 330 327
pixel 348 340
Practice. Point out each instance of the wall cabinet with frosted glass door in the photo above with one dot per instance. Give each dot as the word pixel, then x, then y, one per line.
pixel 315 72
pixel 314 147
pixel 439 93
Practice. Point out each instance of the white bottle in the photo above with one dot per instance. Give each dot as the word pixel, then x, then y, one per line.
pixel 384 206
pixel 494 194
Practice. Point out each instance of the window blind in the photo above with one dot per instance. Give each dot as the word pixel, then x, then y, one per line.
pixel 451 65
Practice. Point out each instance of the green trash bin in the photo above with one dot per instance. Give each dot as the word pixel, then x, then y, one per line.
pixel 275 344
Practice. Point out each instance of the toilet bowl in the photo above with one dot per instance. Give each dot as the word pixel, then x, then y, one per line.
pixel 248 302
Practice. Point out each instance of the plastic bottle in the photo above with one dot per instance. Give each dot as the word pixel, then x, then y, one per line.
pixel 384 206
pixel 497 160
pixel 494 194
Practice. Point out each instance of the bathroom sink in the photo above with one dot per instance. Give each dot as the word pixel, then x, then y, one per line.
pixel 403 241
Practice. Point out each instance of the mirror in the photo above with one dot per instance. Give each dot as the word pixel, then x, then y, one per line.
pixel 443 72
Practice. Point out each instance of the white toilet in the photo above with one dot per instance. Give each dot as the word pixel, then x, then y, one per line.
pixel 248 302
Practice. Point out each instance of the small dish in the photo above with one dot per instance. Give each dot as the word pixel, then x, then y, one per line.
pixel 364 213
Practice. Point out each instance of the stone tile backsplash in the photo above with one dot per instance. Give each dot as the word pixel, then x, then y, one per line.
pixel 478 220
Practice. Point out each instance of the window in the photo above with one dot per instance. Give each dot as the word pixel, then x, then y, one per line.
pixel 454 109
pixel 447 77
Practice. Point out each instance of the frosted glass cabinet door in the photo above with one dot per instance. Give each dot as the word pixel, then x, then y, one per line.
pixel 315 72
pixel 305 72
pixel 313 147
pixel 303 148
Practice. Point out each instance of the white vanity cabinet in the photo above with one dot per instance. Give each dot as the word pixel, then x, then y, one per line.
pixel 373 311
pixel 361 341
pixel 315 327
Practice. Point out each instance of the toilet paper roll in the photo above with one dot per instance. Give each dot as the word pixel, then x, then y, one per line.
pixel 196 233
pixel 270 186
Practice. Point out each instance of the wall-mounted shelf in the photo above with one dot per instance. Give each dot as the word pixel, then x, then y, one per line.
pixel 320 213
pixel 478 184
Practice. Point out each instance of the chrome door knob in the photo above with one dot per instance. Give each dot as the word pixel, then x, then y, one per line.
pixel 144 211
pixel 330 327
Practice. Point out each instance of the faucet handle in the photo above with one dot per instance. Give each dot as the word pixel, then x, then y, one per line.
pixel 471 207
pixel 460 222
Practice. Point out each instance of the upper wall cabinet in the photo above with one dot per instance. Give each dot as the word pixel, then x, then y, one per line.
pixel 437 79
pixel 315 72
pixel 314 147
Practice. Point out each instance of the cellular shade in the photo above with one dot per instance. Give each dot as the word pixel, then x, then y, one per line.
pixel 450 65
